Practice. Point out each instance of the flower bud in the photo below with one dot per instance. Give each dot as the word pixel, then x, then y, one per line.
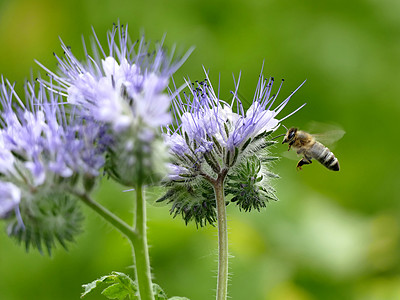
pixel 48 219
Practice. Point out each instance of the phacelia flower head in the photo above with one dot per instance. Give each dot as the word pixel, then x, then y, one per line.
pixel 123 87
pixel 213 139
pixel 45 151
pixel 42 140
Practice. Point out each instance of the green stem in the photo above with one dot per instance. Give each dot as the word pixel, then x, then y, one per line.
pixel 123 227
pixel 137 236
pixel 222 283
pixel 140 249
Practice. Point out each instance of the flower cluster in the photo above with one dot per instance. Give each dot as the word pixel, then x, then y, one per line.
pixel 212 138
pixel 101 114
pixel 124 89
pixel 43 147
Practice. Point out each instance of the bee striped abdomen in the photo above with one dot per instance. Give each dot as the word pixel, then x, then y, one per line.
pixel 325 156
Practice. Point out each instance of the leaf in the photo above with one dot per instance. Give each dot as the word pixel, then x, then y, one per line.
pixel 115 291
pixel 120 286
pixel 158 292
pixel 178 298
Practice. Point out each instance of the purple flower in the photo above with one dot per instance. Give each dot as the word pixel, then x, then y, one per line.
pixel 40 140
pixel 124 89
pixel 10 196
pixel 123 86
pixel 214 132
pixel 219 145
pixel 47 152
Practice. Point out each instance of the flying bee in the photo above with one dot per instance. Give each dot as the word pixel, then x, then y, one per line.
pixel 307 146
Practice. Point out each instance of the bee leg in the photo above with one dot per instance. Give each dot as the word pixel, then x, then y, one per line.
pixel 290 145
pixel 303 161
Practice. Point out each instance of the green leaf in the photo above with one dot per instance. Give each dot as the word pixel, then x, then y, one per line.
pixel 245 145
pixel 158 292
pixel 228 158
pixel 263 135
pixel 211 161
pixel 194 161
pixel 269 143
pixel 217 144
pixel 272 175
pixel 120 286
pixel 226 130
pixel 115 291
pixel 187 139
pixel 268 158
pixel 89 183
pixel 92 285
pixel 178 298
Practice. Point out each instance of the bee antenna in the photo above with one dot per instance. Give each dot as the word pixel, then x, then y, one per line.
pixel 278 136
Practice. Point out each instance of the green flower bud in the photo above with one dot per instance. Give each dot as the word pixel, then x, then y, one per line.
pixel 137 159
pixel 47 219
pixel 249 185
pixel 193 202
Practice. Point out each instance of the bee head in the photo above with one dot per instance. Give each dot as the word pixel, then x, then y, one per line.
pixel 290 135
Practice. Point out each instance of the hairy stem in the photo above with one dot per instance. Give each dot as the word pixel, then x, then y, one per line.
pixel 140 248
pixel 137 236
pixel 115 221
pixel 222 283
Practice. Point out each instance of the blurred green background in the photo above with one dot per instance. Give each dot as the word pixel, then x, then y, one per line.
pixel 331 235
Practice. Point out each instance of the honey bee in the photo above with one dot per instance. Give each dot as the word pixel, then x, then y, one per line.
pixel 307 146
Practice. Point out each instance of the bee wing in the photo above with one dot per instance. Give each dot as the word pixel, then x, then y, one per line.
pixel 292 155
pixel 327 134
pixel 329 138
